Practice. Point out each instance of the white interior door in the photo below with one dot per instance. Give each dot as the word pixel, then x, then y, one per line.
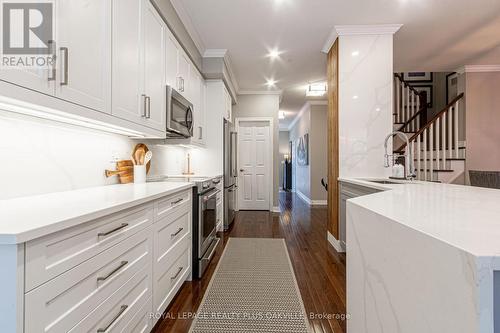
pixel 254 165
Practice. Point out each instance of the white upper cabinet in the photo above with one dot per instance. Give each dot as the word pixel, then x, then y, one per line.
pixel 84 52
pixel 82 46
pixel 138 63
pixel 183 75
pixel 154 68
pixel 178 69
pixel 228 106
pixel 172 56
pixel 127 95
pixel 198 99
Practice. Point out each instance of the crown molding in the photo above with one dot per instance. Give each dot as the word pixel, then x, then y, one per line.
pixel 188 24
pixel 330 41
pixel 347 30
pixel 370 29
pixel 260 92
pixel 478 69
pixel 215 53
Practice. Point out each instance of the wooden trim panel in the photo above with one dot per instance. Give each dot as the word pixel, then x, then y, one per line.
pixel 333 139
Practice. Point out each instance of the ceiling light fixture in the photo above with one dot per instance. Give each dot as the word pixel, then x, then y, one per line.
pixel 281 115
pixel 271 82
pixel 274 54
pixel 355 53
pixel 316 89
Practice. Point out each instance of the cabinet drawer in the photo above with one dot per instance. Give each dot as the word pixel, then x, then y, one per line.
pixel 142 321
pixel 52 255
pixel 169 273
pixel 170 230
pixel 166 206
pixel 115 314
pixel 59 304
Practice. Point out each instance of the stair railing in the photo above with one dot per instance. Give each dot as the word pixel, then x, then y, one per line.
pixel 410 105
pixel 436 141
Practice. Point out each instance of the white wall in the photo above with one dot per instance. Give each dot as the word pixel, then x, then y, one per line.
pixel 263 106
pixel 284 147
pixel 314 121
pixel 40 156
pixel 302 173
pixel 365 103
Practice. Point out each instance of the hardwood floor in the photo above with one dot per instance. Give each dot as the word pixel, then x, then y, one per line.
pixel 319 269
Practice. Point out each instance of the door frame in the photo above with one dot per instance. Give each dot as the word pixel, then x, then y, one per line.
pixel 270 120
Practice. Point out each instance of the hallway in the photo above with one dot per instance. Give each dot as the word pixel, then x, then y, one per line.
pixel 319 269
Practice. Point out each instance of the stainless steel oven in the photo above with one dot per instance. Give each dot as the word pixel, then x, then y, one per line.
pixel 179 115
pixel 208 220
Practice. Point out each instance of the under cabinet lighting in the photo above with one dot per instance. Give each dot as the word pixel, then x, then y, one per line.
pixel 316 89
pixel 38 111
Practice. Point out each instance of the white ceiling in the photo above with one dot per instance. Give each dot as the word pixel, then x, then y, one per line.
pixel 437 35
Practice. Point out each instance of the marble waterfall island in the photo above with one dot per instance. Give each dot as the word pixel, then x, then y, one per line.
pixel 424 257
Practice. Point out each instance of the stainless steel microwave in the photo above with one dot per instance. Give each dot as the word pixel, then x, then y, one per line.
pixel 179 115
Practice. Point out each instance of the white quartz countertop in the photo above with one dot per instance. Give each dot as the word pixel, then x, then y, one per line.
pixel 26 218
pixel 463 216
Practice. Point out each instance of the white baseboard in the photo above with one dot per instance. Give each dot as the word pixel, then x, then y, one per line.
pixel 339 246
pixel 311 202
pixel 276 209
pixel 303 197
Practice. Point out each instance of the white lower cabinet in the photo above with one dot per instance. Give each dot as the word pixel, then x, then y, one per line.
pixel 114 274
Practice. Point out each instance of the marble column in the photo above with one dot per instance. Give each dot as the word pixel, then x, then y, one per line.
pixel 365 98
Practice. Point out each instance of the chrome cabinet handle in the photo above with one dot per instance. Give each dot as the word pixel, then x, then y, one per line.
pixel 122 310
pixel 180 83
pixel 201 133
pixel 104 278
pixel 148 103
pixel 176 201
pixel 144 105
pixel 176 233
pixel 177 274
pixel 107 233
pixel 64 71
pixel 52 72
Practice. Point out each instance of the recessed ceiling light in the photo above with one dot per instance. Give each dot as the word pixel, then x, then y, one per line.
pixel 281 115
pixel 355 97
pixel 355 53
pixel 271 82
pixel 274 54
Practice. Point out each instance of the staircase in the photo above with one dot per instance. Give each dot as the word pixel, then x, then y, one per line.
pixel 438 154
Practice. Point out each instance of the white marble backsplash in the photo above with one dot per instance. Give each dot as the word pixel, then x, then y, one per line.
pixel 40 156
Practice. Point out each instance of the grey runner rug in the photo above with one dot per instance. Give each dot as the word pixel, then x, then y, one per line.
pixel 253 289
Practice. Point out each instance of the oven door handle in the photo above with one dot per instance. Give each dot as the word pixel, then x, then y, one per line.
pixel 210 195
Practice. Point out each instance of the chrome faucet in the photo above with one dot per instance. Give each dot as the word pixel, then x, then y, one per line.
pixel 408 156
